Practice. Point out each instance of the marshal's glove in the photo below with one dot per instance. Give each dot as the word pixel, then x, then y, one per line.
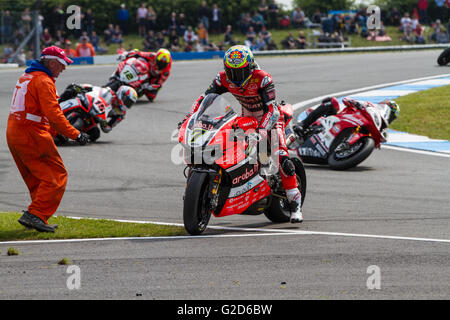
pixel 83 138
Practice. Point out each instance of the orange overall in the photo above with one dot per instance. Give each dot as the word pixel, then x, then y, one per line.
pixel 35 113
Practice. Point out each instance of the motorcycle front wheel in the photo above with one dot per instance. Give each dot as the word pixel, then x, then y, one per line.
pixel 444 57
pixel 345 156
pixel 279 210
pixel 196 211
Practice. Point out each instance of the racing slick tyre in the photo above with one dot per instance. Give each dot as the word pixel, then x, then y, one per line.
pixel 444 57
pixel 196 212
pixel 279 208
pixel 345 156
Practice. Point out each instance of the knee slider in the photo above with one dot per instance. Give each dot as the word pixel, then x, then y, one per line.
pixel 287 166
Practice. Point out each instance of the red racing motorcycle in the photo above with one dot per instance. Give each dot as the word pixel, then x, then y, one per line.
pixel 344 140
pixel 226 174
pixel 132 72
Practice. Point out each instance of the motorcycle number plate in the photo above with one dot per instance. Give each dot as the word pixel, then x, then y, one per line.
pixel 128 74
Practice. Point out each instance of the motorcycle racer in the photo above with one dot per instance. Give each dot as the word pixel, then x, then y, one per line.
pixel 255 91
pixel 159 66
pixel 121 100
pixel 330 106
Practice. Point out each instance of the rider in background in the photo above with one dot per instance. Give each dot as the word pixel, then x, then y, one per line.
pixel 330 106
pixel 255 91
pixel 159 63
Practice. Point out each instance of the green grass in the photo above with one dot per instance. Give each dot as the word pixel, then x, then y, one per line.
pixel 425 113
pixel 69 228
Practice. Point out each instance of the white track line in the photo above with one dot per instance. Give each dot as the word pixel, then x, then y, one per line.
pixel 428 153
pixel 256 232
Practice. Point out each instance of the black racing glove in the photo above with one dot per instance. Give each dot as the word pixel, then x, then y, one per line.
pixel 83 138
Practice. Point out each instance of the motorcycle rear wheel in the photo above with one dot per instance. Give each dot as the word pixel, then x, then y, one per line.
pixel 196 212
pixel 279 211
pixel 346 158
pixel 444 57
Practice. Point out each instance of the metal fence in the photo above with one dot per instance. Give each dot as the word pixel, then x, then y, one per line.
pixel 17 32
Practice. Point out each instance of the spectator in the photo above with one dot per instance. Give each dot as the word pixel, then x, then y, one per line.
pixel 95 41
pixel 141 18
pixel 300 42
pixel 437 27
pixel 405 21
pixel 353 27
pixel 298 18
pixel 84 35
pixel 108 34
pixel 272 45
pixel 173 21
pixel 7 53
pixel 440 8
pixel 328 25
pixel 273 14
pixel 58 18
pixel 7 26
pixel 288 42
pixel 250 36
pixel 59 39
pixel 317 17
pixel 151 18
pixel 257 21
pixel 68 50
pixel 26 21
pixel 204 14
pixel 423 11
pixel 189 36
pixel 419 37
pixel 202 34
pixel 407 30
pixel 395 17
pixel 260 44
pixel 285 22
pixel 216 19
pixel 174 41
pixel 181 24
pixel 263 9
pixel 123 16
pixel 117 35
pixel 160 41
pixel 198 47
pixel 89 22
pixel 46 38
pixel 228 37
pixel 245 22
pixel 265 34
pixel 84 48
pixel 442 36
pixel 150 41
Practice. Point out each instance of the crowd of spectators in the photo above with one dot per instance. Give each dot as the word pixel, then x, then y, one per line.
pixel 256 26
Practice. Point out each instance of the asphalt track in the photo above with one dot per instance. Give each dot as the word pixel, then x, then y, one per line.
pixel 401 197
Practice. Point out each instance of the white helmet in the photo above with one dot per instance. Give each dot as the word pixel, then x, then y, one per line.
pixel 127 95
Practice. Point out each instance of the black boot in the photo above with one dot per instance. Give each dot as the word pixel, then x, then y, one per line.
pixel 31 221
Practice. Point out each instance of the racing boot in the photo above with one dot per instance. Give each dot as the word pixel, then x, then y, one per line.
pixel 300 129
pixel 295 202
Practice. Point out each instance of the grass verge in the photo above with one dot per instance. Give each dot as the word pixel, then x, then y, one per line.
pixel 69 228
pixel 425 113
